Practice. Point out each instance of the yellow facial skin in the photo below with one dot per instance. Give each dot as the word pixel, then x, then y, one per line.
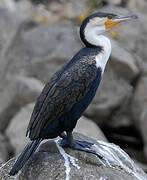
pixel 109 23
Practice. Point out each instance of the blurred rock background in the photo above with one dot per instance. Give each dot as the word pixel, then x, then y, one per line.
pixel 38 38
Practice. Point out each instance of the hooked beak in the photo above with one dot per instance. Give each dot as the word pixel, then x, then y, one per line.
pixel 117 20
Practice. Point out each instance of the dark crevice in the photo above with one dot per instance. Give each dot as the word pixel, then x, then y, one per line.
pixel 135 81
pixel 125 137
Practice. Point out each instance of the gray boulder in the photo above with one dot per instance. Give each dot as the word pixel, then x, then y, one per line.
pixel 137 5
pixel 15 93
pixel 111 94
pixel 5 148
pixel 123 63
pixel 53 162
pixel 16 130
pixel 67 8
pixel 89 128
pixel 42 48
pixel 9 21
pixel 139 109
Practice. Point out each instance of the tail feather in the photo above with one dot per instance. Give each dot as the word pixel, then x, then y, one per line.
pixel 24 156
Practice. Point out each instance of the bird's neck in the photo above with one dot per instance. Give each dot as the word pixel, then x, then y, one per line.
pixel 95 40
pixel 92 38
pixel 103 56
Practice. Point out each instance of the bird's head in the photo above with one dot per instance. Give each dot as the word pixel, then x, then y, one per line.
pixel 98 23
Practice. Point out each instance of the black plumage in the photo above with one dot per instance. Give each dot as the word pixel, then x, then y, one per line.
pixel 57 109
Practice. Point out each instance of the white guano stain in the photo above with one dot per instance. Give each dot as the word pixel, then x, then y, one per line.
pixel 68 159
pixel 103 178
pixel 5 164
pixel 113 155
pixel 17 176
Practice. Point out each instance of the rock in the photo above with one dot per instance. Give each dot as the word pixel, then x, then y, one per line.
pixel 54 162
pixel 139 109
pixel 76 8
pixel 66 8
pixel 111 94
pixel 9 22
pixel 17 128
pixel 41 49
pixel 7 4
pixel 89 128
pixel 142 166
pixel 137 5
pixel 113 2
pixel 5 148
pixel 15 93
pixel 123 62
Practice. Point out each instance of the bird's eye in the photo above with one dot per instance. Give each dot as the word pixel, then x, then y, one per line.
pixel 109 16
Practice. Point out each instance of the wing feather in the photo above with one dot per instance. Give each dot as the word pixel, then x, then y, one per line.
pixel 59 96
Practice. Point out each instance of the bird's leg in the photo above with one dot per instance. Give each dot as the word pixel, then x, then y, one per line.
pixel 63 135
pixel 78 145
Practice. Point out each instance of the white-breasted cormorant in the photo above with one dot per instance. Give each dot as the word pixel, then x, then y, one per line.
pixel 71 89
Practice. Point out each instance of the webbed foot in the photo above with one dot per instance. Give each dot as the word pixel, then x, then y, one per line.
pixel 78 145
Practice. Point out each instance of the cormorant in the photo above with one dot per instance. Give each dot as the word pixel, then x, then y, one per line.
pixel 71 89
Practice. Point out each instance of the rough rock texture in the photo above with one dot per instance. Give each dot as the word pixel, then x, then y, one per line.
pixel 18 138
pixel 89 128
pixel 36 52
pixel 123 62
pixel 8 23
pixel 53 162
pixel 138 5
pixel 15 93
pixel 67 8
pixel 111 94
pixel 139 109
pixel 5 148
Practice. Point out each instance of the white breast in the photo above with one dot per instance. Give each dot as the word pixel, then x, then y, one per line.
pixel 102 58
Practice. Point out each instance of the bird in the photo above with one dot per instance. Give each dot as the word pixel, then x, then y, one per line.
pixel 71 89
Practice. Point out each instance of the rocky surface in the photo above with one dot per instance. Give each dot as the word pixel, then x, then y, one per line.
pixel 18 138
pixel 6 150
pixel 3 149
pixel 123 62
pixel 138 5
pixel 139 109
pixel 53 162
pixel 15 93
pixel 112 92
pixel 89 128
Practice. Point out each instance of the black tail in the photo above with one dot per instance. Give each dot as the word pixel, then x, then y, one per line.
pixel 24 156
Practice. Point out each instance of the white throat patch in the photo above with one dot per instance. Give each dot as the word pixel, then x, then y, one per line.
pixel 92 33
pixel 102 58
